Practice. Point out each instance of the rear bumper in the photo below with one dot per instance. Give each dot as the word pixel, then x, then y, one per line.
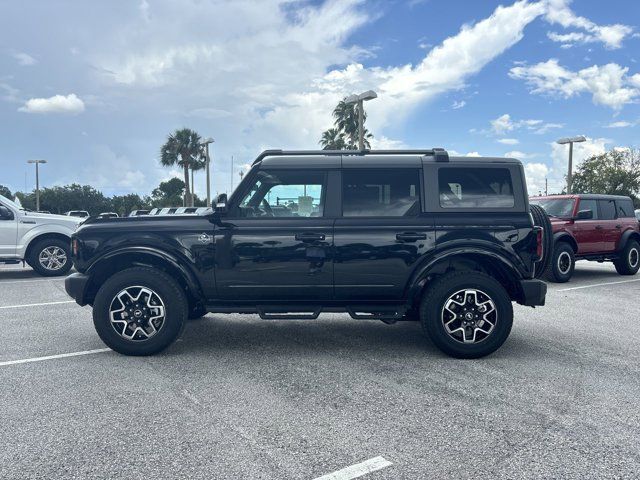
pixel 533 292
pixel 76 285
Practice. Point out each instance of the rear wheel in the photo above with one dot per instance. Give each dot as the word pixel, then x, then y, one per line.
pixel 563 263
pixel 629 261
pixel 139 311
pixel 466 314
pixel 50 257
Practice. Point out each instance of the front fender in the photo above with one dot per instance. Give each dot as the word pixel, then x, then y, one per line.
pixel 32 234
pixel 564 236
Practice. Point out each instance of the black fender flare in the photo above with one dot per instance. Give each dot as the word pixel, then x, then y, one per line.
pixel 565 237
pixel 626 236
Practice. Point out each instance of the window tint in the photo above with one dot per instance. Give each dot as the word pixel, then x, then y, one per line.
pixel 589 205
pixel 282 193
pixel 557 207
pixel 475 188
pixel 624 208
pixel 607 209
pixel 384 193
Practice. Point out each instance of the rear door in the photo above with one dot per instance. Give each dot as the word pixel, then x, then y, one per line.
pixel 383 231
pixel 626 219
pixel 609 225
pixel 589 233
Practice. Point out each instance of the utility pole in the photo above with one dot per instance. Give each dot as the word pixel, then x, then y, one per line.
pixel 37 162
pixel 207 141
pixel 546 186
pixel 193 186
pixel 570 141
pixel 359 101
pixel 231 191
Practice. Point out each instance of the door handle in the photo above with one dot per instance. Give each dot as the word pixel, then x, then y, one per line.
pixel 599 227
pixel 411 236
pixel 309 237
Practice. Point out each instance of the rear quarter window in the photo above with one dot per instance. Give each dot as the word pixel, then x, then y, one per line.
pixel 469 188
pixel 625 208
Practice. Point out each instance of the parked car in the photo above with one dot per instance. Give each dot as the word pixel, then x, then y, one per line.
pixel 388 235
pixel 154 211
pixel 40 240
pixel 77 213
pixel 600 228
pixel 638 214
pixel 108 215
pixel 138 213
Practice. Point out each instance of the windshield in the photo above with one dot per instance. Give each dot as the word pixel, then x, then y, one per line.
pixel 10 203
pixel 556 207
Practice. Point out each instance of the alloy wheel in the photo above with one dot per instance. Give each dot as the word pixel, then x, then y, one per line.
pixel 469 316
pixel 137 313
pixel 52 258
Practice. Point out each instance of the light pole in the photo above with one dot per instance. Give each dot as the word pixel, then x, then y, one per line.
pixel 570 141
pixel 37 162
pixel 359 100
pixel 206 143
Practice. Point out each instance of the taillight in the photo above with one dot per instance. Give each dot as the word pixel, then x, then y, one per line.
pixel 74 247
pixel 539 243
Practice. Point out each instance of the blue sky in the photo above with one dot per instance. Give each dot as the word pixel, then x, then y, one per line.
pixel 94 87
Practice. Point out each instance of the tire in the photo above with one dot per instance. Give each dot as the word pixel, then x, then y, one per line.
pixel 141 339
pixel 563 263
pixel 629 261
pixel 444 291
pixel 46 256
pixel 541 219
pixel 197 311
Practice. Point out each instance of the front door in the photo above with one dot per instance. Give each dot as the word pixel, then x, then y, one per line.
pixel 275 243
pixel 588 233
pixel 8 235
pixel 382 233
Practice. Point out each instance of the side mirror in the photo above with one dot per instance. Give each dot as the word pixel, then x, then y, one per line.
pixel 5 213
pixel 220 205
pixel 584 215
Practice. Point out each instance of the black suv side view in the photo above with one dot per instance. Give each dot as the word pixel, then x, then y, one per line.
pixel 386 235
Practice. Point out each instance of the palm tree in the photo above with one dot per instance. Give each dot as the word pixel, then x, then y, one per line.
pixel 332 139
pixel 345 135
pixel 183 148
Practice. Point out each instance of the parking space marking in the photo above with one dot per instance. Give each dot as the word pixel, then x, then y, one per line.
pixel 598 285
pixel 358 470
pixel 50 280
pixel 53 357
pixel 36 304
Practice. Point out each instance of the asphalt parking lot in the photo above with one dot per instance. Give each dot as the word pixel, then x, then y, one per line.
pixel 239 397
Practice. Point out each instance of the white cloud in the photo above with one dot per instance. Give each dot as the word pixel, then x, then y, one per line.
pixel 619 124
pixel 455 153
pixel 504 124
pixel 558 12
pixel 536 173
pixel 519 155
pixel 458 104
pixel 69 104
pixel 24 59
pixel 608 84
pixel 509 141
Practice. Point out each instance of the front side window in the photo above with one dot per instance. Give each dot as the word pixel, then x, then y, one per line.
pixel 475 188
pixel 607 209
pixel 624 208
pixel 284 193
pixel 380 193
pixel 559 207
pixel 590 205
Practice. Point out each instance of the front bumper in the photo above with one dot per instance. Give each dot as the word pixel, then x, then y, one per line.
pixel 533 292
pixel 76 285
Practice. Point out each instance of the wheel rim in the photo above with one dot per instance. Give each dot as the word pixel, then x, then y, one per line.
pixel 634 257
pixel 52 258
pixel 564 263
pixel 137 313
pixel 469 316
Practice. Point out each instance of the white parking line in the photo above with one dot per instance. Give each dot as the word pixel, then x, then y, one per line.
pixel 36 304
pixel 357 470
pixel 53 357
pixel 598 285
pixel 49 280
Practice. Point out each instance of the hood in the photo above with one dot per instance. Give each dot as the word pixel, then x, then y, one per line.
pixel 44 218
pixel 559 223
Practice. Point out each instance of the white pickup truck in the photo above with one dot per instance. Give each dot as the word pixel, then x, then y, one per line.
pixel 42 240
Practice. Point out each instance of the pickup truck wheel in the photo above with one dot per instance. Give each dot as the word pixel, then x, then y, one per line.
pixel 563 263
pixel 466 314
pixel 139 311
pixel 629 261
pixel 50 257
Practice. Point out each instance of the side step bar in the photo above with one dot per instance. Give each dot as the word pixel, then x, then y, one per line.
pixel 386 313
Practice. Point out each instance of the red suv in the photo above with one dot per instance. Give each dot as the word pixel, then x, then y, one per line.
pixel 591 227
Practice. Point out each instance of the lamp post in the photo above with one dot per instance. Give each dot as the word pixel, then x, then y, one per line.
pixel 570 141
pixel 359 100
pixel 206 143
pixel 37 162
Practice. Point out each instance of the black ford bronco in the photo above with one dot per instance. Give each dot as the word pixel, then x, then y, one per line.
pixel 386 235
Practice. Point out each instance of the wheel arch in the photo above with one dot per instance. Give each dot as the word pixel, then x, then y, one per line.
pixel 42 236
pixel 566 237
pixel 626 236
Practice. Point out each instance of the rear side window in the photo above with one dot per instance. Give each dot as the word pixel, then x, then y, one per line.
pixel 589 205
pixel 624 208
pixel 475 188
pixel 380 193
pixel 607 209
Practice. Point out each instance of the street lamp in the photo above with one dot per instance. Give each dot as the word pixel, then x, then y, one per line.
pixel 570 141
pixel 37 162
pixel 206 143
pixel 359 100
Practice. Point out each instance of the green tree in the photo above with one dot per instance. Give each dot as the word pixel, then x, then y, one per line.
pixel 124 204
pixel 616 172
pixel 345 117
pixel 168 194
pixel 183 148
pixel 5 192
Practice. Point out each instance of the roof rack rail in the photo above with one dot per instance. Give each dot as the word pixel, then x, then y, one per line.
pixel 440 154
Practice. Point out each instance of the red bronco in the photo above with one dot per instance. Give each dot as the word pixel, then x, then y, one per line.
pixel 591 227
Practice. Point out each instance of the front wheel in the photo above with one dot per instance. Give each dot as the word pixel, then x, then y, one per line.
pixel 466 314
pixel 629 261
pixel 139 311
pixel 51 257
pixel 562 264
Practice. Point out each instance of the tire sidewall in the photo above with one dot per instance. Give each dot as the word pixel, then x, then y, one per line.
pixel 34 258
pixel 167 289
pixel 624 266
pixel 431 315
pixel 559 250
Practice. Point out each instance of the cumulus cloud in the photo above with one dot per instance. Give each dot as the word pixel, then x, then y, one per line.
pixel 609 84
pixel 519 155
pixel 558 12
pixel 536 174
pixel 504 124
pixel 509 141
pixel 620 124
pixel 69 104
